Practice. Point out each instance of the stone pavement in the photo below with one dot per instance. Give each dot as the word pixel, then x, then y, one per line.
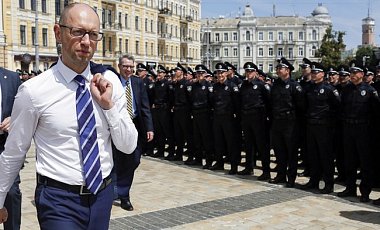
pixel 170 195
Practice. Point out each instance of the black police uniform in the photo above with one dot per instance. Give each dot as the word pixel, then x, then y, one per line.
pixel 199 93
pixel 358 102
pixel 287 101
pixel 182 120
pixel 321 109
pixel 225 103
pixel 162 102
pixel 254 104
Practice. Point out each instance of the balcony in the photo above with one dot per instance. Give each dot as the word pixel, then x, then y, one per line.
pixel 166 35
pixel 189 59
pixel 186 39
pixel 189 18
pixel 165 11
pixel 166 58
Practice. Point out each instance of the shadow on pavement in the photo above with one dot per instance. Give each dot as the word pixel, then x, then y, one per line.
pixel 372 217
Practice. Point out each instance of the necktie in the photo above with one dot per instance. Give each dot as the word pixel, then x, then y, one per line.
pixel 128 95
pixel 88 136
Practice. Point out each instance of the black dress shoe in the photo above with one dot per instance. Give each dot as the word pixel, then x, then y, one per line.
pixel 177 158
pixel 207 165
pixel 310 185
pixel 305 173
pixel 327 189
pixel 347 193
pixel 195 163
pixel 157 155
pixel 264 176
pixel 188 160
pixel 376 202
pixel 277 180
pixel 340 179
pixel 364 199
pixel 126 204
pixel 169 157
pixel 246 171
pixel 289 184
pixel 232 171
pixel 217 166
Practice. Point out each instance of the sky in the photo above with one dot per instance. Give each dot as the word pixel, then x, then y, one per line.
pixel 346 15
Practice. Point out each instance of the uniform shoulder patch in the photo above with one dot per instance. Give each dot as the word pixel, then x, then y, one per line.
pixel 151 86
pixel 236 89
pixel 299 88
pixel 335 92
pixel 210 89
pixel 189 88
pixel 267 87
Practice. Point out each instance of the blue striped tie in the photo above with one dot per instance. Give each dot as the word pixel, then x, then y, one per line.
pixel 88 136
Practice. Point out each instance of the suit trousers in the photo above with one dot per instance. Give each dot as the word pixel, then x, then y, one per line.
pixel 13 206
pixel 61 210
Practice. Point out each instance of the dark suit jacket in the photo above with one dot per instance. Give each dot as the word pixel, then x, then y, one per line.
pixel 9 81
pixel 141 100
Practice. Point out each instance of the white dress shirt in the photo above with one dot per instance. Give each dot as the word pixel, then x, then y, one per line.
pixel 45 110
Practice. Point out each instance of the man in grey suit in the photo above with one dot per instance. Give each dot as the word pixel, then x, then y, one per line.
pixel 9 83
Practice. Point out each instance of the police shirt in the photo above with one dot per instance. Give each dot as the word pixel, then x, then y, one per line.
pixel 199 93
pixel 322 101
pixel 254 95
pixel 225 98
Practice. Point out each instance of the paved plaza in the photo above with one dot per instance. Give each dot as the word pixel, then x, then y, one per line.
pixel 170 195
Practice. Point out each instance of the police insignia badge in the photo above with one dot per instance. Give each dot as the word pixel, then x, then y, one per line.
pixel 267 87
pixel 336 93
pixel 255 87
pixel 321 91
pixel 181 86
pixel 236 89
pixel 203 87
pixel 226 88
pixel 363 93
pixel 162 85
pixel 287 86
pixel 151 86
pixel 299 88
pixel 210 89
pixel 189 88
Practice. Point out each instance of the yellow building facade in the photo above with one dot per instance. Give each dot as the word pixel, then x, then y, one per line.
pixel 154 31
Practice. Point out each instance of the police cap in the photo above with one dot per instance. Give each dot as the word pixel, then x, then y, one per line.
pixel 220 67
pixel 200 68
pixel 141 67
pixel 162 69
pixel 283 63
pixel 316 67
pixel 305 63
pixel 250 66
pixel 230 66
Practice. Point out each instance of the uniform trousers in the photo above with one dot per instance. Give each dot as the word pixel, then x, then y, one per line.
pixel 225 138
pixel 59 209
pixel 183 131
pixel 203 135
pixel 255 134
pixel 356 145
pixel 319 148
pixel 284 144
pixel 163 127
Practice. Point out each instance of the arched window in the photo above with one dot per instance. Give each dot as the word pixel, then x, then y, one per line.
pixel 247 35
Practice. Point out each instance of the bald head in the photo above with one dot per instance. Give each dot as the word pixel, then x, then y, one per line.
pixel 65 15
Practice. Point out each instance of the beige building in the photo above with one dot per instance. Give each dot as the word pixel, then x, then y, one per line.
pixel 154 31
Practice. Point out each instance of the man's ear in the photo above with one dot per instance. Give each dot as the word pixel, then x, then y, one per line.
pixel 57 33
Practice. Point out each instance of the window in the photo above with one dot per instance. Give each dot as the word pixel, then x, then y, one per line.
pixel 146 25
pixel 217 37
pixel 270 36
pixel 314 35
pixel 290 36
pixel 146 48
pixel 126 45
pixel 57 7
pixel 300 36
pixel 280 52
pixel 270 52
pixel 137 47
pixel 137 22
pixel 270 68
pixel 261 52
pixel 261 36
pixel 300 52
pixel 225 37
pixel 120 44
pixel 43 6
pixel 21 4
pixel 33 5
pixel 151 26
pixel 235 36
pixel 33 35
pixel 152 49
pixel 247 35
pixel 46 66
pixel 261 66
pixel 126 21
pixel 280 36
pixel 217 52
pixel 290 53
pixel 44 37
pixel 110 45
pixel 235 52
pixel 313 50
pixel 225 52
pixel 248 51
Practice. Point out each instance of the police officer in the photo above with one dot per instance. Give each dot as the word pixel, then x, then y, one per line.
pixel 225 102
pixel 199 92
pixel 322 101
pixel 182 117
pixel 162 102
pixel 333 76
pixel 287 102
pixel 358 101
pixel 254 101
pixel 232 74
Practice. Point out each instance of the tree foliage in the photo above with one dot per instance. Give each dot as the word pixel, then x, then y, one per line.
pixel 331 48
pixel 369 53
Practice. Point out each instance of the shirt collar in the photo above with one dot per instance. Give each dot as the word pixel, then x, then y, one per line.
pixel 69 75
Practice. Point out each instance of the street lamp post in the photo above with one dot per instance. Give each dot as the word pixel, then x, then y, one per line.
pixel 37 55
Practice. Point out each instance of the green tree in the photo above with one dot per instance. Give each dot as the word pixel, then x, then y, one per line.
pixel 365 55
pixel 331 48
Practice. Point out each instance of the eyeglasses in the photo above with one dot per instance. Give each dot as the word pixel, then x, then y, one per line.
pixel 128 66
pixel 79 32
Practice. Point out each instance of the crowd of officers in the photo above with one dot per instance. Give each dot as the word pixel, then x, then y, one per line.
pixel 327 118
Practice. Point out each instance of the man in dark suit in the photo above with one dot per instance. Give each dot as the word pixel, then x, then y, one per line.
pixel 9 83
pixel 142 118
